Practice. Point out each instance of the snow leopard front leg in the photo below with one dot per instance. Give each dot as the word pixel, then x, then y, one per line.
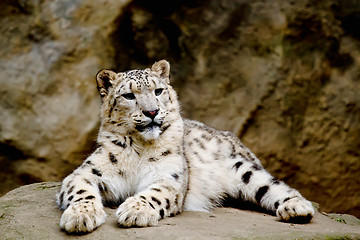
pixel 162 198
pixel 80 199
pixel 258 186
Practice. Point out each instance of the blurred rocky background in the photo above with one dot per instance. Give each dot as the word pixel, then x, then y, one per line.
pixel 284 75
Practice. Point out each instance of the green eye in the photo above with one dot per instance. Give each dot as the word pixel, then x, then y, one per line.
pixel 158 91
pixel 128 96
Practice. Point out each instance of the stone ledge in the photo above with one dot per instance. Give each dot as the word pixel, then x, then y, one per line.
pixel 29 212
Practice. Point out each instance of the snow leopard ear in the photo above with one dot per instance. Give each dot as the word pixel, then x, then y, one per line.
pixel 105 79
pixel 162 68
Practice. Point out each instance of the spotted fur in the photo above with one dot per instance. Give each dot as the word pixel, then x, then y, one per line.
pixel 151 163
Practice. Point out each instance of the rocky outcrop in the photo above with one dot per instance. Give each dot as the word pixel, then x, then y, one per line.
pixel 283 75
pixel 30 212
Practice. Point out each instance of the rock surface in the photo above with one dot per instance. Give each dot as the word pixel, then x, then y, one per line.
pixel 283 75
pixel 29 212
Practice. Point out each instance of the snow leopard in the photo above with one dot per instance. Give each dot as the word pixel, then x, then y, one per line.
pixel 150 163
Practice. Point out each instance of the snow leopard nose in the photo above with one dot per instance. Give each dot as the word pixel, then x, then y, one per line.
pixel 151 114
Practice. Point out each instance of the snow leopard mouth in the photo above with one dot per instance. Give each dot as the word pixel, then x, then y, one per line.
pixel 150 126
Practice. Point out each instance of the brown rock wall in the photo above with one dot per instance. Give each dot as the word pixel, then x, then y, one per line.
pixel 50 53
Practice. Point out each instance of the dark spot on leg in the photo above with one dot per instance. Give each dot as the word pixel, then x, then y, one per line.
pixel 80 191
pixel 162 213
pixel 61 198
pixel 175 176
pixel 152 206
pixel 167 152
pixel 246 177
pixel 261 192
pixel 102 188
pixel 78 200
pixel 176 199
pixel 152 159
pixel 90 197
pixel 89 162
pixel 156 200
pixel 112 158
pixel 167 203
pixel 96 172
pixel 70 198
pixel 156 189
pixel 275 181
pixel 256 167
pixel 70 190
pixel 237 165
pixel 68 185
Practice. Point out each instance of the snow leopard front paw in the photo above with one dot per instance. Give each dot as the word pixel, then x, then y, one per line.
pixel 296 210
pixel 82 217
pixel 136 211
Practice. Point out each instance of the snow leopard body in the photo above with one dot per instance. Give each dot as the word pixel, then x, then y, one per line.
pixel 151 163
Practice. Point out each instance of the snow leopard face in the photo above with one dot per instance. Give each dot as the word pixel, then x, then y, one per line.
pixel 137 101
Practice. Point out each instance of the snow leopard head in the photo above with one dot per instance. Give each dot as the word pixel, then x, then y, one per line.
pixel 138 101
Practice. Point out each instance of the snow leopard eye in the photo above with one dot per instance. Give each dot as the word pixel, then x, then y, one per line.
pixel 158 91
pixel 128 96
